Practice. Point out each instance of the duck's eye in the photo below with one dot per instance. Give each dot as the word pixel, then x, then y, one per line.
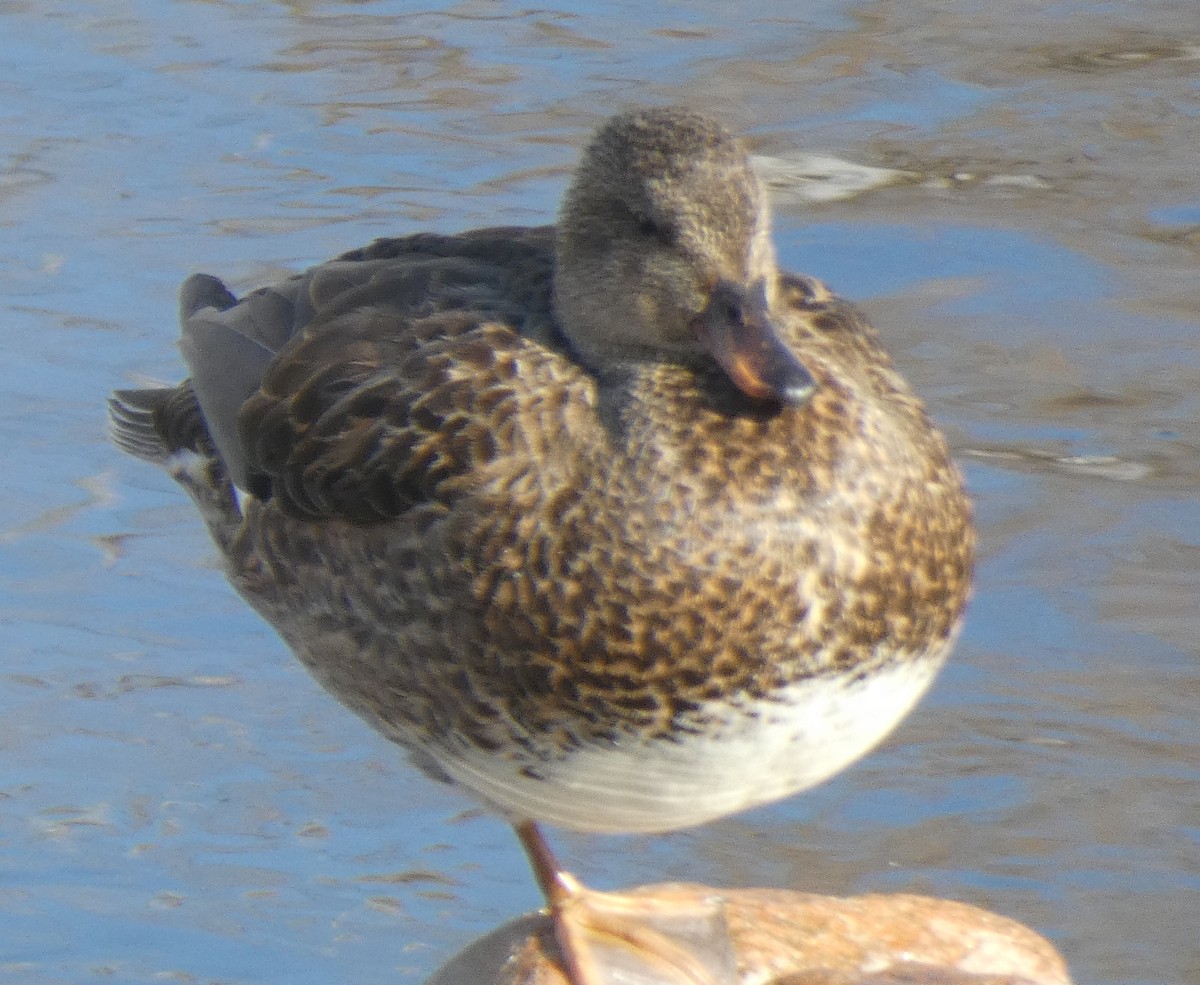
pixel 648 227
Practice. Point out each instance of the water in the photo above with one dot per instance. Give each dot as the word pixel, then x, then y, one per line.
pixel 178 802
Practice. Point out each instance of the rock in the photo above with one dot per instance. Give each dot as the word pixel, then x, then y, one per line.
pixel 787 938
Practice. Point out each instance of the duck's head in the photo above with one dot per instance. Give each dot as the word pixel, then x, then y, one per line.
pixel 664 253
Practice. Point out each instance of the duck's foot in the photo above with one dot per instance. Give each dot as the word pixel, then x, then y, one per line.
pixel 632 938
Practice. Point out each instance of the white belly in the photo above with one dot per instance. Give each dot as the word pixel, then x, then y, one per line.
pixel 772 751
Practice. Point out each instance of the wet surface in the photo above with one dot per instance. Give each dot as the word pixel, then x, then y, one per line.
pixel 178 802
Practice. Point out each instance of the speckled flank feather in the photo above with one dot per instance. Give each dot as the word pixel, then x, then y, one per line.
pixel 506 507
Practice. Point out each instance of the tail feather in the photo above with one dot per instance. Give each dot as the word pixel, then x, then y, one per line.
pixel 132 427
pixel 195 440
pixel 156 424
pixel 164 426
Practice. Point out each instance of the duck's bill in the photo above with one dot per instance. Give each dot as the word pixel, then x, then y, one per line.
pixel 737 330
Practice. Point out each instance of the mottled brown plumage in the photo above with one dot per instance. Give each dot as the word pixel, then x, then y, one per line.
pixel 586 517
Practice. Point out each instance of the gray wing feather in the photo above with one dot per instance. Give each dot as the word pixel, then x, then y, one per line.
pixel 228 350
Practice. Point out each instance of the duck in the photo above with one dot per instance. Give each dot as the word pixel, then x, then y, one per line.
pixel 613 524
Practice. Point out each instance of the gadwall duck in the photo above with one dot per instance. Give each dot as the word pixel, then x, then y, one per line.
pixel 612 524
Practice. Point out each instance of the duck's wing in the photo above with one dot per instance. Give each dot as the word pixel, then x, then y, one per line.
pixel 328 391
pixel 417 377
pixel 228 345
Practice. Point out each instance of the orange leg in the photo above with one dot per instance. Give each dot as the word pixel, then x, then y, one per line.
pixel 634 937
